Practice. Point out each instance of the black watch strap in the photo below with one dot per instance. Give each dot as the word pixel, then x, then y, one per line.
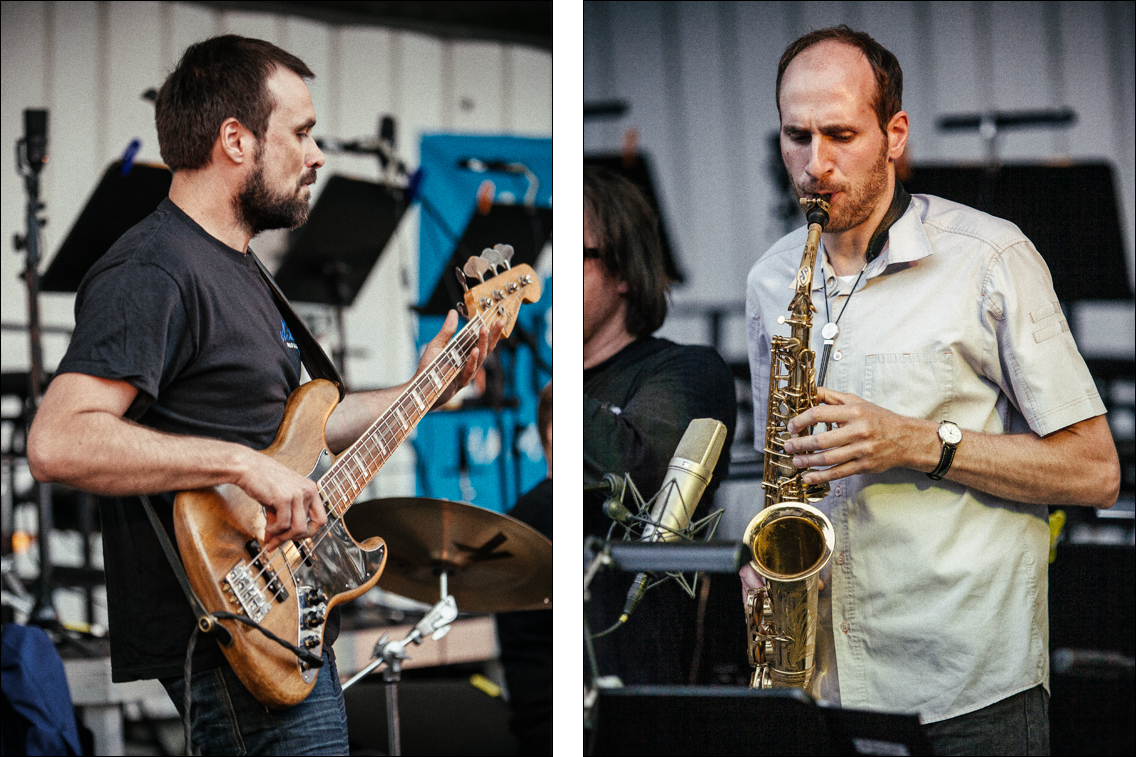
pixel 945 459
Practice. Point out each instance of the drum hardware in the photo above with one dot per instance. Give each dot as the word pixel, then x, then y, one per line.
pixel 491 563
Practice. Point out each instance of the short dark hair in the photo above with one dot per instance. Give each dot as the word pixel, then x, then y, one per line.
pixel 889 76
pixel 219 78
pixel 629 246
pixel 544 414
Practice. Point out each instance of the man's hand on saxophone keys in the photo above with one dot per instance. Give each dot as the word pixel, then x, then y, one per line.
pixel 862 438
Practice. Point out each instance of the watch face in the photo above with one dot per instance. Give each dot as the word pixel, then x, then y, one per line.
pixel 950 433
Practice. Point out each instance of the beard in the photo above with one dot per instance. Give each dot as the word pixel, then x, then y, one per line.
pixel 859 201
pixel 259 209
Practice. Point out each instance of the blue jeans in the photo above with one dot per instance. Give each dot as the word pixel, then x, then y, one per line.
pixel 1015 725
pixel 227 720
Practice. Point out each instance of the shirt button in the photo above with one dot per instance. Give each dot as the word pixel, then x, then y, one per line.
pixel 840 559
pixel 837 355
pixel 844 626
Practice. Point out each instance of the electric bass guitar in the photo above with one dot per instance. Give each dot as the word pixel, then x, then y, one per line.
pixel 290 591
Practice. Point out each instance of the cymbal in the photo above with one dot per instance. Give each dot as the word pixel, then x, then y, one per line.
pixel 494 563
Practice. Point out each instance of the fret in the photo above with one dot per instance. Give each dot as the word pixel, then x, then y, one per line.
pixel 338 486
pixel 352 471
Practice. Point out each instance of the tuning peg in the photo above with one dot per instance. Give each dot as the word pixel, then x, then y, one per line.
pixel 476 267
pixel 506 253
pixel 460 307
pixel 492 256
pixel 461 279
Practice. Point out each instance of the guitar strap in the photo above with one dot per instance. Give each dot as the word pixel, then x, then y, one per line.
pixel 317 362
pixel 205 621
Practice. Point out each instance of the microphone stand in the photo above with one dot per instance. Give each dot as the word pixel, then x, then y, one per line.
pixel 29 162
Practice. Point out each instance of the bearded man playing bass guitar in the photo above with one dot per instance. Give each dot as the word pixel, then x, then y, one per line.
pixel 180 368
pixel 954 409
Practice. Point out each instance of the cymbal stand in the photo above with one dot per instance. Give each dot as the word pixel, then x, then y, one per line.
pixel 435 624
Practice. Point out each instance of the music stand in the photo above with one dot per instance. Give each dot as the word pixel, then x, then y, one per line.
pixel 729 720
pixel 331 256
pixel 118 203
pixel 526 229
pixel 1070 213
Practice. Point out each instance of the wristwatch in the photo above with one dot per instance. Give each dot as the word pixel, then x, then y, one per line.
pixel 950 435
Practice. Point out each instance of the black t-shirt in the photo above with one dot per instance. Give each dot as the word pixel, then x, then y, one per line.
pixel 191 324
pixel 637 406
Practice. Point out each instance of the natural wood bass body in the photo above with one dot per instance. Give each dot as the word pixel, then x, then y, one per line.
pixel 213 527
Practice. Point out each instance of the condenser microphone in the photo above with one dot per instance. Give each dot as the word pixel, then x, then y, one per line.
pixel 35 138
pixel 688 474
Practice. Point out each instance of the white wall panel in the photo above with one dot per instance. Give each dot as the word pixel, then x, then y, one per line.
pixel 247 24
pixel 186 24
pixel 956 79
pixel 529 91
pixel 1018 56
pixel 420 66
pixel 133 65
pixel 476 99
pixel 23 38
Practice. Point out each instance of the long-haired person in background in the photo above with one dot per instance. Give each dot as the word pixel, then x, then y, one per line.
pixel 955 407
pixel 180 367
pixel 640 394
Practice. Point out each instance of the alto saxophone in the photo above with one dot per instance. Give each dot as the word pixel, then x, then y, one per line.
pixel 790 540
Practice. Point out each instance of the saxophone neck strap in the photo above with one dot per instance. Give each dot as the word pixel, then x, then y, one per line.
pixel 317 362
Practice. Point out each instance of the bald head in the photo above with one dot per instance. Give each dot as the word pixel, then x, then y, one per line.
pixel 886 98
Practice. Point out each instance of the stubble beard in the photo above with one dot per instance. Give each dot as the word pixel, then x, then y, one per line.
pixel 259 209
pixel 859 202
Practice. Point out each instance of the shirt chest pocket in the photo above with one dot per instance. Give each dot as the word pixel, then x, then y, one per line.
pixel 914 384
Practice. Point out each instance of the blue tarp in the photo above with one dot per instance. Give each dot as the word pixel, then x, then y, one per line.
pixel 483 456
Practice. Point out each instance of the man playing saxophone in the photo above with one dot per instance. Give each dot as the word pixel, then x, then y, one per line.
pixel 953 407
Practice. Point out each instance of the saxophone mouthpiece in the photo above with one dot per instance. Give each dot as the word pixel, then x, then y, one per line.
pixel 816 210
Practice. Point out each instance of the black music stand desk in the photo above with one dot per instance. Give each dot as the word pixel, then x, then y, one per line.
pixel 118 203
pixel 733 720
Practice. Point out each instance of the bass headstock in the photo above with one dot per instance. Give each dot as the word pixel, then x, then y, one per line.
pixel 500 288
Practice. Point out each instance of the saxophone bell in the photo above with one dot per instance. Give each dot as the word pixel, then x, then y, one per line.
pixel 790 544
